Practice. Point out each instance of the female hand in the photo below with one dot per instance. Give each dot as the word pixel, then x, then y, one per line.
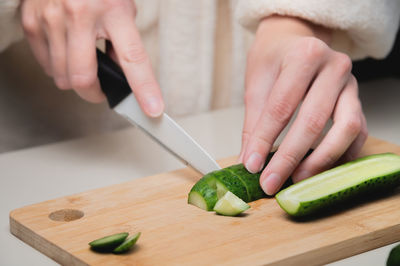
pixel 63 34
pixel 290 63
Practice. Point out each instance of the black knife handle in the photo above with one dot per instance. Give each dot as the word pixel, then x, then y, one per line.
pixel 112 80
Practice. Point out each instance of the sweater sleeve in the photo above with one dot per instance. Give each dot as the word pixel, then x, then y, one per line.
pixel 362 28
pixel 10 28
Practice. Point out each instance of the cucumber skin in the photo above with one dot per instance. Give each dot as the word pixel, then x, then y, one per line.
pixel 251 181
pixel 207 189
pixel 394 257
pixel 108 243
pixel 232 183
pixel 374 184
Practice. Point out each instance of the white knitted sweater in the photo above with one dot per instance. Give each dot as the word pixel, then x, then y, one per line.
pixel 180 37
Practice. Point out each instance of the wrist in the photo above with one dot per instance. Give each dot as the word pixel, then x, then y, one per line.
pixel 278 25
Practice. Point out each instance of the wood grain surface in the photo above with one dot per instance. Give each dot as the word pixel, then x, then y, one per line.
pixel 175 233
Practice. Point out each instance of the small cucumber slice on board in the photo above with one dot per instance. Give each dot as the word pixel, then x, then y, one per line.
pixel 127 244
pixel 108 243
pixel 337 184
pixel 230 205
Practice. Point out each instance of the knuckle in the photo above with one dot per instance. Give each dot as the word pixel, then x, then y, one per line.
pixel 82 81
pixel 135 53
pixel 262 141
pixel 312 48
pixel 61 83
pixel 315 123
pixel 326 161
pixel 280 111
pixel 51 14
pixel 343 63
pixel 145 85
pixel 353 125
pixel 29 24
pixel 75 8
pixel 290 159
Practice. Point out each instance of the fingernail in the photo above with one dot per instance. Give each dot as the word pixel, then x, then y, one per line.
pixel 154 106
pixel 301 175
pixel 271 184
pixel 254 163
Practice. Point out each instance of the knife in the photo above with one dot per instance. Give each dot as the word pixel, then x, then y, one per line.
pixel 163 129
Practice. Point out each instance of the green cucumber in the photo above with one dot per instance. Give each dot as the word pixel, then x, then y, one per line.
pixel 251 181
pixel 231 182
pixel 108 243
pixel 230 205
pixel 127 244
pixel 213 186
pixel 203 194
pixel 394 257
pixel 363 175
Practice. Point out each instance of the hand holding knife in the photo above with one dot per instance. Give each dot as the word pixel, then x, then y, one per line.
pixel 163 129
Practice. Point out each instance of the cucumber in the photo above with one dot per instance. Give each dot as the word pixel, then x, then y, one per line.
pixel 204 193
pixel 228 180
pixel 230 205
pixel 213 186
pixel 394 257
pixel 108 243
pixel 251 181
pixel 127 244
pixel 363 175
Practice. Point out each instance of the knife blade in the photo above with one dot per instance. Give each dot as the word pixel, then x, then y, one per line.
pixel 164 130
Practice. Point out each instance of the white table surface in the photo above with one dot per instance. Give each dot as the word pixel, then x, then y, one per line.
pixel 51 171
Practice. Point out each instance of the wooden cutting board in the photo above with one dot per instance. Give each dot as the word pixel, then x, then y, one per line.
pixel 175 233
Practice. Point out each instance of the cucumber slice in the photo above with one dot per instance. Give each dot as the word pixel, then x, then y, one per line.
pixel 232 183
pixel 108 243
pixel 394 257
pixel 203 194
pixel 230 205
pixel 251 181
pixel 359 176
pixel 127 244
pixel 221 189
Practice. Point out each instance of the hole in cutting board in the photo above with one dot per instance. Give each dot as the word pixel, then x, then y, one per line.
pixel 66 215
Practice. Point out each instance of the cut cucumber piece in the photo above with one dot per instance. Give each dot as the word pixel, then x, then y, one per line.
pixel 221 189
pixel 232 183
pixel 394 257
pixel 359 176
pixel 213 186
pixel 203 194
pixel 108 243
pixel 127 244
pixel 251 181
pixel 230 205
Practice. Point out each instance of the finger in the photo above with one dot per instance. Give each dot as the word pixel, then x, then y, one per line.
pixel 134 61
pixel 285 96
pixel 358 143
pixel 82 62
pixel 258 84
pixel 53 21
pixel 345 129
pixel 35 36
pixel 312 118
